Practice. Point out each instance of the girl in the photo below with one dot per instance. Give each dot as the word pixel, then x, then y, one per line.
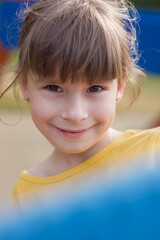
pixel 76 57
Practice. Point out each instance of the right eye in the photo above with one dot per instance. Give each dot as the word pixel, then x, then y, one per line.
pixel 53 88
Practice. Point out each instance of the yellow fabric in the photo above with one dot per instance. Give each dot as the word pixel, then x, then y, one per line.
pixel 139 145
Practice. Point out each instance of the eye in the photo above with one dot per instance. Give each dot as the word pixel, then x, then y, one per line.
pixel 95 89
pixel 53 88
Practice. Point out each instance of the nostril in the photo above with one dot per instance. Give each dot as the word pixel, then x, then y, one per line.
pixel 74 115
pixel 74 109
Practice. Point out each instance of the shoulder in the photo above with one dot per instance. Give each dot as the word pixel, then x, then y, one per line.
pixel 21 186
pixel 146 139
pixel 23 191
pixel 153 133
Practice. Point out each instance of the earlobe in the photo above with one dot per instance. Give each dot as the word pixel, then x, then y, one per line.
pixel 120 91
pixel 27 99
pixel 23 87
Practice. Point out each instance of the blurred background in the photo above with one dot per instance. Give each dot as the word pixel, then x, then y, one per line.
pixel 21 145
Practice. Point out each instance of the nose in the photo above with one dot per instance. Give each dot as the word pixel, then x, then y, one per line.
pixel 75 109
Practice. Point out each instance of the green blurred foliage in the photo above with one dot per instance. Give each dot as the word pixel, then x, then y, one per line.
pixel 146 3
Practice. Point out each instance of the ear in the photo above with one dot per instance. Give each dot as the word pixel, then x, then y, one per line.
pixel 24 90
pixel 120 90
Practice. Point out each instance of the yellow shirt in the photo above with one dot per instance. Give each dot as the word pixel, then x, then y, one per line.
pixel 133 149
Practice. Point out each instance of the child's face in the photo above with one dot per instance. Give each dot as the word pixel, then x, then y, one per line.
pixel 73 117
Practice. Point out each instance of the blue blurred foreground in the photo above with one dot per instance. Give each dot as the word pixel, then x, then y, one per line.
pixel 129 210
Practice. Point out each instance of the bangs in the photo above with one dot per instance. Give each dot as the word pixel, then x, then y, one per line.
pixel 90 40
pixel 75 44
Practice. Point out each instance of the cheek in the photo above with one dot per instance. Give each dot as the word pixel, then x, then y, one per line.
pixel 105 112
pixel 42 111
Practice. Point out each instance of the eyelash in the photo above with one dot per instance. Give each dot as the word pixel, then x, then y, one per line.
pixel 95 87
pixel 55 88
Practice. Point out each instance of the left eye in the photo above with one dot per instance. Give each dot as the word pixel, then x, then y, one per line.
pixel 53 88
pixel 95 89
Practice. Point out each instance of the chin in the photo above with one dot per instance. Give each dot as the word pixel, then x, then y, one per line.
pixel 73 150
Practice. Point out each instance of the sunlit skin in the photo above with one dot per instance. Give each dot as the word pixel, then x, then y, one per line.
pixel 75 118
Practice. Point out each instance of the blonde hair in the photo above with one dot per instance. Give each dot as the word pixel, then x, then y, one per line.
pixel 91 38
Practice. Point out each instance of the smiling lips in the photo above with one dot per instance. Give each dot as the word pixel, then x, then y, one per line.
pixel 73 133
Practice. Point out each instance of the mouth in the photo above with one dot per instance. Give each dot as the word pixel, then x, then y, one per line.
pixel 73 133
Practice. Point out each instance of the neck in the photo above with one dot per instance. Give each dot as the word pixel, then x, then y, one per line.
pixel 60 162
pixel 64 161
